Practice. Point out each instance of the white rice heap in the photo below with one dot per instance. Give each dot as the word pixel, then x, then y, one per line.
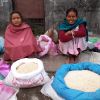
pixel 27 67
pixel 83 80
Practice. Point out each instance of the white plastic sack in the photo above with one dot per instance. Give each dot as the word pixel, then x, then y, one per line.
pixel 34 78
pixel 90 57
pixel 47 90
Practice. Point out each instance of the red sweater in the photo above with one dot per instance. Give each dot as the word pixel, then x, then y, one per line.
pixel 80 33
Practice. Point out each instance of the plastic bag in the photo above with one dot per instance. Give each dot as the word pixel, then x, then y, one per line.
pixel 6 92
pixel 47 46
pixel 47 90
pixel 1 44
pixel 4 68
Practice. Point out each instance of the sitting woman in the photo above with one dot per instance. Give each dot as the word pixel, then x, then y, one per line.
pixel 19 39
pixel 72 35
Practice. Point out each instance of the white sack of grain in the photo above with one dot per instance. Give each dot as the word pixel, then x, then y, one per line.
pixel 90 57
pixel 47 90
pixel 27 72
pixel 83 80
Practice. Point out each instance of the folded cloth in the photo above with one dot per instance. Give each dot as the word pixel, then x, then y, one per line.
pixel 6 92
pixel 4 68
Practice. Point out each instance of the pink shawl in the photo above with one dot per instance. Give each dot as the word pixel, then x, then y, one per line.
pixel 19 42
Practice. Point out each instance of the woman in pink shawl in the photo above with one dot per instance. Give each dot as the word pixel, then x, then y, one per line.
pixel 19 39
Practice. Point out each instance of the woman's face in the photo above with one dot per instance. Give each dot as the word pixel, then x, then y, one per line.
pixel 16 19
pixel 71 17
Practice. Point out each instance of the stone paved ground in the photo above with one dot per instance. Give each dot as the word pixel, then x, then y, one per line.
pixel 51 64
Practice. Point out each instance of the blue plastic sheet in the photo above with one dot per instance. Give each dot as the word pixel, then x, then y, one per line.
pixel 1 44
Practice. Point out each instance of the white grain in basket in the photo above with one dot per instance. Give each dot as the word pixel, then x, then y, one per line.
pixel 27 67
pixel 83 80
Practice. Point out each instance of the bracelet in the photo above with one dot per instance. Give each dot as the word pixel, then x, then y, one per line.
pixel 72 34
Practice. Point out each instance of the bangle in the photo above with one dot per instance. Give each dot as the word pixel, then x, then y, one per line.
pixel 72 34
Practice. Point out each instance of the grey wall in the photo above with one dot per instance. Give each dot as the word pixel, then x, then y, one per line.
pixel 5 9
pixel 88 9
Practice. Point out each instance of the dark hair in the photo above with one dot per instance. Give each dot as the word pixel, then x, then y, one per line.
pixel 13 12
pixel 71 9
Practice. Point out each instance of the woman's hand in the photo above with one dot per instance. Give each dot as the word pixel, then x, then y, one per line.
pixel 68 32
pixel 72 33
